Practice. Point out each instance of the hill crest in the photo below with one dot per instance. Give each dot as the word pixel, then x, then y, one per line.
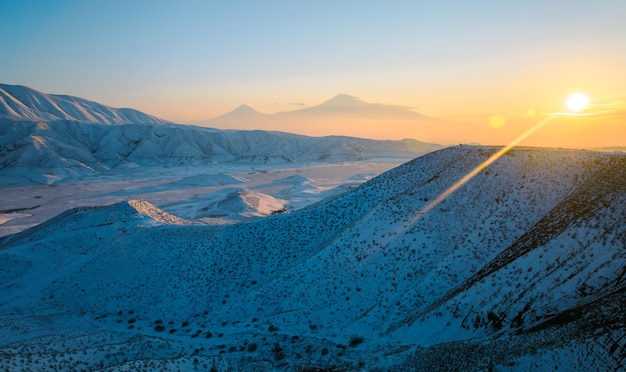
pixel 19 102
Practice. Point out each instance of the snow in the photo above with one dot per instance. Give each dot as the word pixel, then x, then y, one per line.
pixel 522 266
pixel 184 190
pixel 129 244
pixel 6 217
pixel 66 151
pixel 23 103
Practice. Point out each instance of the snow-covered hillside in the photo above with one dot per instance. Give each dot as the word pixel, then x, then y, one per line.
pixel 523 267
pixel 230 203
pixel 46 153
pixel 22 103
pixel 46 138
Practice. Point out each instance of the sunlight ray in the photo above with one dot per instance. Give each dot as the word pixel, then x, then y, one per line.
pixel 479 168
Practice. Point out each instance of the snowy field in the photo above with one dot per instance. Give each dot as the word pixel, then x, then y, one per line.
pixel 186 190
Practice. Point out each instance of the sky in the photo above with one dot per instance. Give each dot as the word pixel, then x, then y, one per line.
pixel 191 60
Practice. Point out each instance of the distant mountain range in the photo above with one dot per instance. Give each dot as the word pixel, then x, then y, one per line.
pixel 339 115
pixel 349 105
pixel 343 104
pixel 47 138
pixel 343 114
pixel 523 268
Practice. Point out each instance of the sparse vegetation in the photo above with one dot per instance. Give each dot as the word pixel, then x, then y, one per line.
pixel 356 340
pixel 492 268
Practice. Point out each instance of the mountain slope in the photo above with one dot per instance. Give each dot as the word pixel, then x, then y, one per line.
pixel 22 103
pixel 243 112
pixel 61 150
pixel 46 138
pixel 522 265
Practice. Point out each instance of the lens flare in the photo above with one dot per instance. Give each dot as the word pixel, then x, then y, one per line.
pixel 497 121
pixel 479 168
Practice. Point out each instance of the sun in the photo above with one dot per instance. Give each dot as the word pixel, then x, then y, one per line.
pixel 577 102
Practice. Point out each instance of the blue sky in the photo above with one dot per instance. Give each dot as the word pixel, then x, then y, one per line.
pixel 186 60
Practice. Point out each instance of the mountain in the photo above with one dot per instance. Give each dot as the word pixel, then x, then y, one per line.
pixel 22 103
pixel 522 266
pixel 344 104
pixel 46 138
pixel 346 115
pixel 340 115
pixel 243 117
pixel 242 112
pixel 228 205
pixel 50 152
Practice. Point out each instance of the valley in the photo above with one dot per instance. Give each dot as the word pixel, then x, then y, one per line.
pixel 186 190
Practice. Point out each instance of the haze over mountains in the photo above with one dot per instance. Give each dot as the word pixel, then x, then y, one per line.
pixel 47 138
pixel 338 115
pixel 343 114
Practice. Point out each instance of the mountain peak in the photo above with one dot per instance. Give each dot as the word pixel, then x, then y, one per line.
pixel 350 106
pixel 245 109
pixel 343 99
pixel 242 111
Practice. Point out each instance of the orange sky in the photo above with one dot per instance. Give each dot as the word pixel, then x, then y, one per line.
pixel 458 60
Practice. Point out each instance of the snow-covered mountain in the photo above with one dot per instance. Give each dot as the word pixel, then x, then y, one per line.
pixel 46 138
pixel 22 103
pixel 229 204
pixel 60 150
pixel 523 267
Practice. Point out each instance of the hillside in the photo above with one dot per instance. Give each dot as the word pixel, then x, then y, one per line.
pixel 49 152
pixel 26 104
pixel 522 266
pixel 48 138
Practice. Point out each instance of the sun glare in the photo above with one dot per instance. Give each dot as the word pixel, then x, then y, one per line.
pixel 577 102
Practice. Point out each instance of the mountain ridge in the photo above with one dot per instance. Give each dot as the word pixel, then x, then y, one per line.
pixel 339 115
pixel 340 103
pixel 21 103
pixel 350 105
pixel 61 150
pixel 49 138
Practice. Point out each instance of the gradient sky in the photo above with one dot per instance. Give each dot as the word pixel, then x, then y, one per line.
pixel 192 60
